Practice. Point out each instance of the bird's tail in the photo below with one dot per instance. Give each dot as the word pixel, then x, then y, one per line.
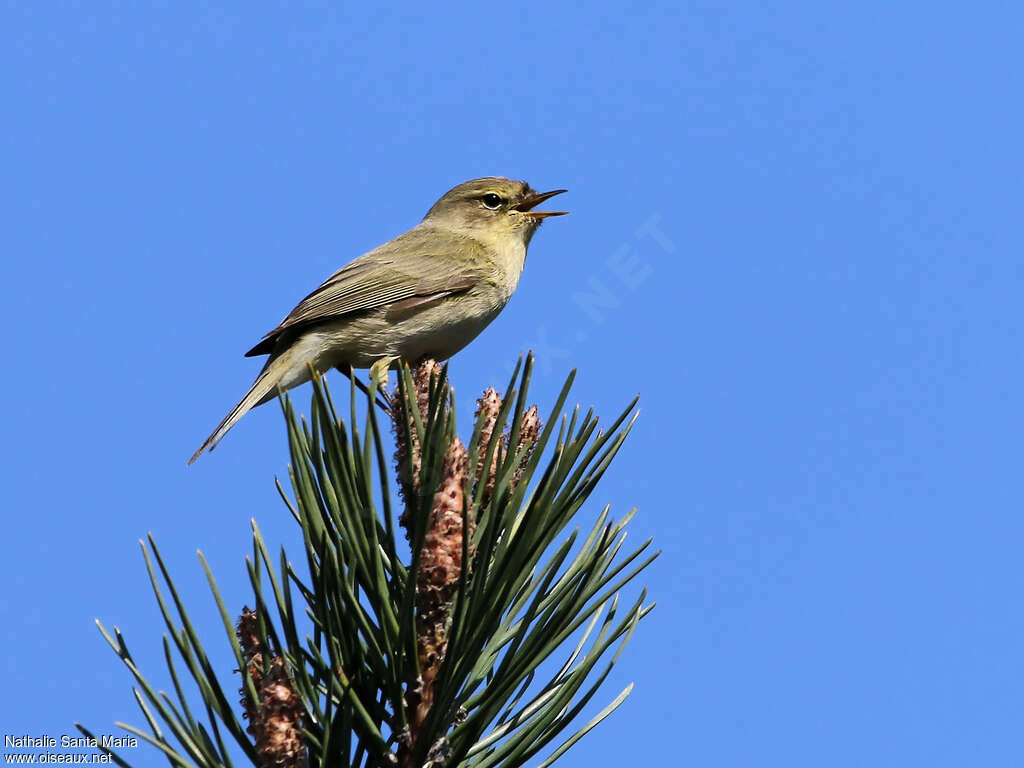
pixel 277 372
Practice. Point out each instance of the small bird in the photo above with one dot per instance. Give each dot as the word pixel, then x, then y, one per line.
pixel 427 293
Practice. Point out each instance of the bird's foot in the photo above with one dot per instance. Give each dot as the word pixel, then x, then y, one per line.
pixel 379 378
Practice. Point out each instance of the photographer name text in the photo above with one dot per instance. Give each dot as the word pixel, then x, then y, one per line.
pixel 66 741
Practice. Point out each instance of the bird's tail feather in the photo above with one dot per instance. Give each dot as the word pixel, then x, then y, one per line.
pixel 262 390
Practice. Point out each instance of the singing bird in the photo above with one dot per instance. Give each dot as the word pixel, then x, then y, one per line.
pixel 427 293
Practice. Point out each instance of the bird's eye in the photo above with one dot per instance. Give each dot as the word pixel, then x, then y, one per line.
pixel 492 201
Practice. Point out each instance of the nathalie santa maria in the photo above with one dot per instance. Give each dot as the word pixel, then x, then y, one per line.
pixel 69 742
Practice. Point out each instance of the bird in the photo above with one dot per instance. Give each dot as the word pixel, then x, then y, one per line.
pixel 427 293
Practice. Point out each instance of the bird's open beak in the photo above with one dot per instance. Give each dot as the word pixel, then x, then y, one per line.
pixel 526 207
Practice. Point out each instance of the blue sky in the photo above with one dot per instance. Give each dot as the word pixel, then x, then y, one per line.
pixel 817 208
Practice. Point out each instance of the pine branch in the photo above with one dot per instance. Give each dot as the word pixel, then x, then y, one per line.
pixel 363 657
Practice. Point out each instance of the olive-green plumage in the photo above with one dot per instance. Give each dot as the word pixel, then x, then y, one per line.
pixel 426 293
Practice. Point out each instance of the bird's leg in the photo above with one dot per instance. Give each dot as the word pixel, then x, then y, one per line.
pixel 379 374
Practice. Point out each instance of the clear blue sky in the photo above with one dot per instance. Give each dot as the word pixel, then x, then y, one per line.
pixel 825 331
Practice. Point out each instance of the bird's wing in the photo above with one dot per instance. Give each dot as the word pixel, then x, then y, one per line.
pixel 385 277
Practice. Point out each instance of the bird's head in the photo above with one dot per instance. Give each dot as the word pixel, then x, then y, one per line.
pixel 492 207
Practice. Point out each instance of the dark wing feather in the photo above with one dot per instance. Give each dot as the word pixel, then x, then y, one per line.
pixel 381 278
